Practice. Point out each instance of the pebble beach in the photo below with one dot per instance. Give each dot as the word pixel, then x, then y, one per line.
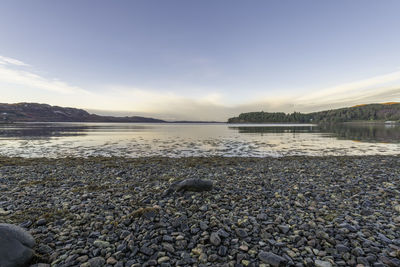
pixel 289 211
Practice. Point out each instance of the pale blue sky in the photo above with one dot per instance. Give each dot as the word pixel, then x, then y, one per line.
pixel 199 59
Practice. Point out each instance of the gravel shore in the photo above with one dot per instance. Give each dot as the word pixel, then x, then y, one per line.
pixel 291 211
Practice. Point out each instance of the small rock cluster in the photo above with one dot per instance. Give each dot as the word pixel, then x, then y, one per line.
pixel 292 211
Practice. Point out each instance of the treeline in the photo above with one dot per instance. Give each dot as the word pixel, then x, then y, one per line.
pixel 371 112
pixel 257 117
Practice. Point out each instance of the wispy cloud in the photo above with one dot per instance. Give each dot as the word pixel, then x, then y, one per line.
pixel 15 72
pixel 354 91
pixel 11 61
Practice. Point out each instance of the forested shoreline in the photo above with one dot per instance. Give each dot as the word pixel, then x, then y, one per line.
pixel 370 112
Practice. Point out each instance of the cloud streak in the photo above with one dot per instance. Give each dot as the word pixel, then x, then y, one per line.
pixel 353 91
pixel 12 71
pixel 11 61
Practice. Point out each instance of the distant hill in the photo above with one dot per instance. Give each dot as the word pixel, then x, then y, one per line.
pixel 366 112
pixel 33 112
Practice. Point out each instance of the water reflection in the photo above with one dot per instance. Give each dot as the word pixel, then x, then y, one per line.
pixel 275 129
pixel 364 132
pixel 50 130
pixel 39 131
pixel 345 131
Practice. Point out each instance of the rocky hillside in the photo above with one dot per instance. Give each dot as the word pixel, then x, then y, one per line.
pixel 33 112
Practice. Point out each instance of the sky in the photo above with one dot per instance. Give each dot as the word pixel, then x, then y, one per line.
pixel 199 60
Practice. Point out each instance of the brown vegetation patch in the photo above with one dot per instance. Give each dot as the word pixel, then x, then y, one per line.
pixel 35 214
pixel 142 211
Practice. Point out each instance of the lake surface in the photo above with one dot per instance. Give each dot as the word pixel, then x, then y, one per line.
pixel 182 140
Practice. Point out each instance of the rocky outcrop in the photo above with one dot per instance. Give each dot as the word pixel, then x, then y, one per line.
pixel 194 185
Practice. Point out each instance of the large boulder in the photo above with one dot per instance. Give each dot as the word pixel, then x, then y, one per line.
pixel 195 185
pixel 15 246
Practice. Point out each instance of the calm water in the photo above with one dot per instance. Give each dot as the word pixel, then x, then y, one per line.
pixel 181 140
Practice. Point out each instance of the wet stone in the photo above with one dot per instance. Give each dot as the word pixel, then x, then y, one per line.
pixel 342 248
pixel 241 233
pixel 41 222
pixel 222 251
pixel 97 262
pixel 168 238
pixel 214 239
pixel 319 263
pixel 284 228
pixel 147 251
pixel 222 233
pixel 101 244
pixel 272 259
pixel 203 226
